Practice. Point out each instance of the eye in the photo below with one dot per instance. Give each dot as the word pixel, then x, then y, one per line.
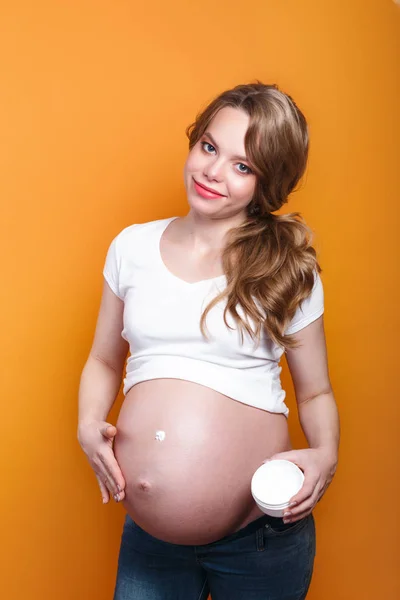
pixel 207 147
pixel 246 169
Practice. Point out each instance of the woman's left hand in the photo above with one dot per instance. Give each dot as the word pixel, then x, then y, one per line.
pixel 318 466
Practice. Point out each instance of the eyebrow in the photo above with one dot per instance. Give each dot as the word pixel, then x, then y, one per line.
pixel 236 157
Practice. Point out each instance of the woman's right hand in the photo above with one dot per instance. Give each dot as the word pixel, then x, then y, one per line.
pixel 96 439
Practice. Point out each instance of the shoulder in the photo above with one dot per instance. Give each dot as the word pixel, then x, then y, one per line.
pixel 309 309
pixel 139 231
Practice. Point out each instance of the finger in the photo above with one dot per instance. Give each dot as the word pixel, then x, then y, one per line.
pixel 111 480
pixel 120 496
pixel 305 506
pixel 113 471
pixel 299 517
pixel 103 489
pixel 105 477
pixel 309 485
pixel 108 430
pixel 292 456
pixel 106 490
pixel 117 496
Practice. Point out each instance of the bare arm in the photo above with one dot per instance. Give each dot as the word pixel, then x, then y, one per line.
pixel 98 389
pixel 308 365
pixel 318 416
pixel 99 385
pixel 102 374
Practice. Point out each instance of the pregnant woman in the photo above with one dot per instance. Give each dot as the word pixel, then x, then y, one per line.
pixel 206 304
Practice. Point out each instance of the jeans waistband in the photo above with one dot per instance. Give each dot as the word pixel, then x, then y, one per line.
pixel 247 529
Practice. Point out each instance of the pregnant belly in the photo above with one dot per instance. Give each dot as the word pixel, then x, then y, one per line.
pixel 188 454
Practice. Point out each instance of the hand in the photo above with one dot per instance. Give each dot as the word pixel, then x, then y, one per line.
pixel 96 439
pixel 318 466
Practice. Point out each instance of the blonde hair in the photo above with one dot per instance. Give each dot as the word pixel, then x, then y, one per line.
pixel 268 260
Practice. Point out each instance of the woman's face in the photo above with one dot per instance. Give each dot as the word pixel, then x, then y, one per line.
pixel 218 162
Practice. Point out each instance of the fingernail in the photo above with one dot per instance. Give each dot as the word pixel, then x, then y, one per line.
pixel 287 514
pixel 292 504
pixel 116 497
pixel 286 521
pixel 104 501
pixel 119 488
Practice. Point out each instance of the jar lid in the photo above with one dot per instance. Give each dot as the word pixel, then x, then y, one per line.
pixel 276 482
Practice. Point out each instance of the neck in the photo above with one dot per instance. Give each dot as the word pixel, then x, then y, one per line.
pixel 208 233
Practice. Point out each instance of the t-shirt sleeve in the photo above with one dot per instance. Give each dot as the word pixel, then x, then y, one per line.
pixel 112 267
pixel 310 309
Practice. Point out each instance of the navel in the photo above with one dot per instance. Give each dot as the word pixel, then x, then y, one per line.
pixel 144 485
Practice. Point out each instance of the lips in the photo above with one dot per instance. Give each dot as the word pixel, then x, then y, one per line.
pixel 207 191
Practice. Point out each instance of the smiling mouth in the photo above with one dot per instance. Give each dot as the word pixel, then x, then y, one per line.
pixel 207 189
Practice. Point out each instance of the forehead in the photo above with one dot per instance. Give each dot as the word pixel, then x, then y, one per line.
pixel 229 127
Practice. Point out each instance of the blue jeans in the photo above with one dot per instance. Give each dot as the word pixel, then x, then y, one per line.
pixel 265 560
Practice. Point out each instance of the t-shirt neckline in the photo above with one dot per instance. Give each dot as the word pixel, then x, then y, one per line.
pixel 169 273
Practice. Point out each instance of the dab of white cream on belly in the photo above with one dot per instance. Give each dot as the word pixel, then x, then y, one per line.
pixel 160 435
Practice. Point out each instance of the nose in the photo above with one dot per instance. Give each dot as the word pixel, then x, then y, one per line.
pixel 213 170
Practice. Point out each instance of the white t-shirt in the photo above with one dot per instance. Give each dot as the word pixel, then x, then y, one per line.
pixel 162 325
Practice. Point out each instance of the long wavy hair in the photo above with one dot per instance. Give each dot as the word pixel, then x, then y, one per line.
pixel 268 260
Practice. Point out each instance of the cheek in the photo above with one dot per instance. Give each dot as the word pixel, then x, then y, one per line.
pixel 194 161
pixel 191 168
pixel 187 171
pixel 188 165
pixel 243 189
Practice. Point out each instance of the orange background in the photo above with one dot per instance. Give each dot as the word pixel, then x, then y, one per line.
pixel 94 102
